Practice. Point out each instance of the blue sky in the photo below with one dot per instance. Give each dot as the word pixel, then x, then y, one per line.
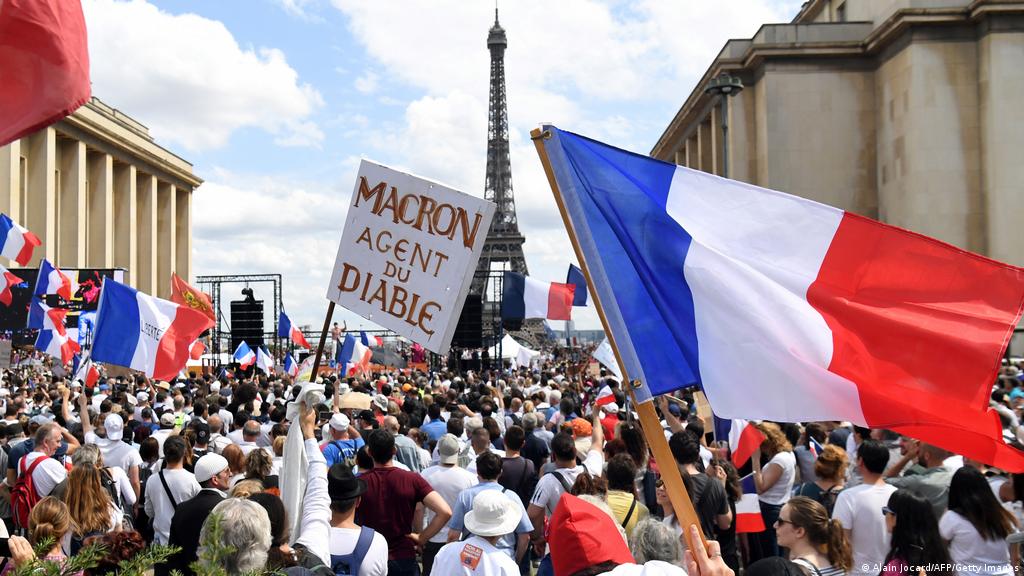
pixel 275 101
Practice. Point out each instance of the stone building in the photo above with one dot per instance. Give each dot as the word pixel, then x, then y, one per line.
pixel 100 193
pixel 908 111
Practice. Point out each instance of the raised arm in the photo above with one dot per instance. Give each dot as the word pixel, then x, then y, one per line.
pixel 315 529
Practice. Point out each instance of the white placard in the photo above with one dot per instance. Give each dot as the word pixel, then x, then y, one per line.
pixel 408 253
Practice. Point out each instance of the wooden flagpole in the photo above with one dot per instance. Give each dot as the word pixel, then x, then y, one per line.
pixel 323 342
pixel 649 423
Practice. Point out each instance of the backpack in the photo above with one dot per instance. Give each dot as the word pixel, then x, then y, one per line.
pixel 107 480
pixel 23 495
pixel 828 499
pixel 341 564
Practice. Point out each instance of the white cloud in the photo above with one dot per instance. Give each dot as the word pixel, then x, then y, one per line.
pixel 298 8
pixel 367 83
pixel 189 81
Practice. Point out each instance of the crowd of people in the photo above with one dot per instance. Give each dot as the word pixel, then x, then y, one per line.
pixel 513 472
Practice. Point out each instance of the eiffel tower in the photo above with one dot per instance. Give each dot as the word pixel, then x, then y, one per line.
pixel 504 243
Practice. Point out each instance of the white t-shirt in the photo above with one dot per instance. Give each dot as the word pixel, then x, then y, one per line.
pixel 47 474
pixel 780 491
pixel 974 554
pixel 859 509
pixel 447 482
pixel 115 452
pixel 375 563
pixel 471 467
pixel 183 486
pixel 549 489
pixel 473 556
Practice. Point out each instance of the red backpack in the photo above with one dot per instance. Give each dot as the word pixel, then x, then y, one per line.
pixel 23 495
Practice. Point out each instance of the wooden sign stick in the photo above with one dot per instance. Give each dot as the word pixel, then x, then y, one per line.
pixel 323 342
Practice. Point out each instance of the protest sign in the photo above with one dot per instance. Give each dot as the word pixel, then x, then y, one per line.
pixel 408 253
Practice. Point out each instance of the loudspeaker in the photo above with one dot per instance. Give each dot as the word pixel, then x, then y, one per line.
pixel 246 323
pixel 469 333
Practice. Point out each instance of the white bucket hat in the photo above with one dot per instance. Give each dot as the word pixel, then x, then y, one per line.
pixel 493 514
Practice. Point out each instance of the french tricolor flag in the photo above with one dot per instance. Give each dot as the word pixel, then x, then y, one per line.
pixel 264 361
pixel 16 243
pixel 57 344
pixel 144 333
pixel 52 281
pixel 196 350
pixel 743 438
pixel 290 367
pixel 244 355
pixel 7 280
pixel 748 509
pixel 285 329
pixel 369 341
pixel 604 396
pixel 86 372
pixel 814 447
pixel 842 317
pixel 355 356
pixel 524 297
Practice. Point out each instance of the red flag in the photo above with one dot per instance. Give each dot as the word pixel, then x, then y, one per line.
pixel 186 295
pixel 44 64
pixel 196 350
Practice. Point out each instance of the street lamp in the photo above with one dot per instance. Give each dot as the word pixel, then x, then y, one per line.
pixel 724 85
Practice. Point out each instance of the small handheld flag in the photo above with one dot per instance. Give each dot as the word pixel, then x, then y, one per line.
pixel 244 355
pixel 16 243
pixel 748 509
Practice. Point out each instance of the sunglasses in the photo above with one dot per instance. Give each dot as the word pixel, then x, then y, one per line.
pixel 886 510
pixel 781 521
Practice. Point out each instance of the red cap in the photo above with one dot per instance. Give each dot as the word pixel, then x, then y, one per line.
pixel 582 535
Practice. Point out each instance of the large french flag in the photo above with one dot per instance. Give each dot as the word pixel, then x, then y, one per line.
pixel 51 280
pixel 285 329
pixel 748 510
pixel 705 281
pixel 244 355
pixel 17 242
pixel 144 333
pixel 355 356
pixel 743 438
pixel 524 297
pixel 8 280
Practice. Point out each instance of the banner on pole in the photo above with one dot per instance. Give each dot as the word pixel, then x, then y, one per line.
pixel 408 253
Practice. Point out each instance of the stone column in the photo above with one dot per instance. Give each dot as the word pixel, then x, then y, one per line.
pixel 146 219
pixel 183 234
pixel 10 179
pixel 99 243
pixel 39 215
pixel 75 180
pixel 126 252
pixel 166 233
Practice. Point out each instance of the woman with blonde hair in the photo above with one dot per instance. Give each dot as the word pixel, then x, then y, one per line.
pixel 774 483
pixel 90 505
pixel 50 521
pixel 816 544
pixel 830 470
pixel 259 466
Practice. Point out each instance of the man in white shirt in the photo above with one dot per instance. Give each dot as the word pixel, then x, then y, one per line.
pixel 250 434
pixel 165 431
pixel 448 480
pixel 115 452
pixel 493 515
pixel 551 486
pixel 168 488
pixel 479 443
pixel 49 472
pixel 859 508
pixel 218 441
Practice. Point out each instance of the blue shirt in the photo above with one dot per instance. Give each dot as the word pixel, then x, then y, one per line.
pixel 464 503
pixel 434 429
pixel 336 451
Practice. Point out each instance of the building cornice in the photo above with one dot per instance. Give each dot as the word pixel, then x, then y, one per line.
pixel 105 124
pixel 856 40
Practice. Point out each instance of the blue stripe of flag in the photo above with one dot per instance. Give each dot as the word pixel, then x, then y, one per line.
pixel 513 296
pixel 118 325
pixel 576 278
pixel 635 253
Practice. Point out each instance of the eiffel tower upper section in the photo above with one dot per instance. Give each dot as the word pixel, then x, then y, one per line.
pixel 504 242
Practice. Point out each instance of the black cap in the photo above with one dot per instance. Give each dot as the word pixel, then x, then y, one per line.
pixel 202 432
pixel 367 416
pixel 342 484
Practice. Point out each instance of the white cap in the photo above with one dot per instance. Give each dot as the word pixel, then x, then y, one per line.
pixel 611 408
pixel 114 427
pixel 209 466
pixel 142 396
pixel 448 449
pixel 215 386
pixel 339 422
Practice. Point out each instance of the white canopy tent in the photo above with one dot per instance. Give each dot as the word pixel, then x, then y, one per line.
pixel 512 350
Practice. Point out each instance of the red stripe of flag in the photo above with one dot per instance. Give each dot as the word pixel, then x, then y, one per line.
pixel 560 298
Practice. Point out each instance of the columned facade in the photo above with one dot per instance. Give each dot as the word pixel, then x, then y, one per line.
pixel 100 193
